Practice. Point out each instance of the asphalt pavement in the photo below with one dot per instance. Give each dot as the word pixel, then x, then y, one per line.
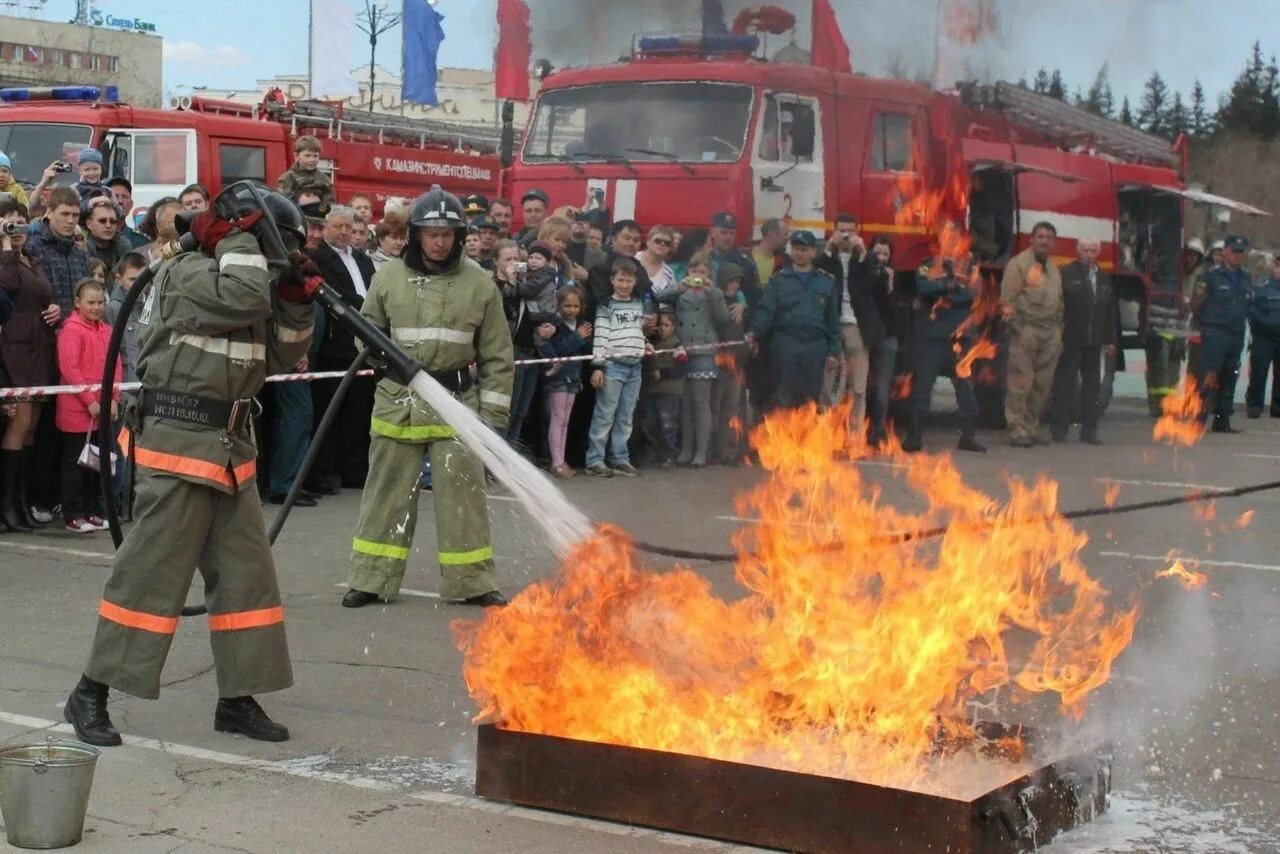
pixel 382 755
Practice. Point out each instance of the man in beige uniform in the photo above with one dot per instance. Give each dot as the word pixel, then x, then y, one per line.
pixel 1031 293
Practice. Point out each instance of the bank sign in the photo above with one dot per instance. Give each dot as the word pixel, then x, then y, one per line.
pixel 106 19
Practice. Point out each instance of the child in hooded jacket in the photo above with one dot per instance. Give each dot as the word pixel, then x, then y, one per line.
pixel 563 381
pixel 701 318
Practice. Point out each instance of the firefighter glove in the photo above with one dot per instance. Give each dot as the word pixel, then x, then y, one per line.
pixel 209 229
pixel 297 287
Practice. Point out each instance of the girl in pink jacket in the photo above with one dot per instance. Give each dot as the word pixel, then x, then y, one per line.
pixel 82 357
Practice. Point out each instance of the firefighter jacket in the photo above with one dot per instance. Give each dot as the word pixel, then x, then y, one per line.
pixel 1264 308
pixel 1221 300
pixel 448 321
pixel 945 302
pixel 1033 290
pixel 209 332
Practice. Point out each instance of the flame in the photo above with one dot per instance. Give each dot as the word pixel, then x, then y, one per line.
pixel 1189 579
pixel 1111 496
pixel 1245 520
pixel 1181 420
pixel 902 387
pixel 968 22
pixel 984 349
pixel 848 656
pixel 1034 277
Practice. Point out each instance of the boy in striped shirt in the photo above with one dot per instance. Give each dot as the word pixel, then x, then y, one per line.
pixel 620 348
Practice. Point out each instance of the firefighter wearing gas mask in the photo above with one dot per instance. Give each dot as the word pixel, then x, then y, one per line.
pixel 445 312
pixel 211 328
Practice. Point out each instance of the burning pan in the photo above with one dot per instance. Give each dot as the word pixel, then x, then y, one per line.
pixel 789 810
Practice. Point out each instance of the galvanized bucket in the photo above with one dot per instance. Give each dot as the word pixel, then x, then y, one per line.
pixel 44 792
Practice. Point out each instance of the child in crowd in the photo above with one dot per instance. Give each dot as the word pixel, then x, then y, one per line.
pixel 82 357
pixel 539 285
pixel 661 395
pixel 98 271
pixel 701 320
pixel 90 168
pixel 536 290
pixel 728 401
pixel 566 337
pixel 7 182
pixel 305 173
pixel 620 347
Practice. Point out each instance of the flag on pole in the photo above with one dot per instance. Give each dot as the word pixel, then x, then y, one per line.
pixel 829 47
pixel 423 33
pixel 333 42
pixel 515 50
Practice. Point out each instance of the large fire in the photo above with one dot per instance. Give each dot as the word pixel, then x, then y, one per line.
pixel 846 656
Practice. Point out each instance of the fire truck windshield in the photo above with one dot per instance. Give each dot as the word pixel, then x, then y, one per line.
pixel 663 122
pixel 31 147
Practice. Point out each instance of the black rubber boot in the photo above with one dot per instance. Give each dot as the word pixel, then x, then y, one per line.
pixel 243 715
pixel 969 440
pixel 24 503
pixel 914 442
pixel 492 599
pixel 11 509
pixel 86 710
pixel 358 598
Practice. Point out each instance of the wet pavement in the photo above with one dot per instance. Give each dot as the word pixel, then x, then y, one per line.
pixel 382 756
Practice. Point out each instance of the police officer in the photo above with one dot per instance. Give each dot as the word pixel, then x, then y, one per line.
pixel 944 302
pixel 1264 350
pixel 210 331
pixel 446 312
pixel 474 205
pixel 800 315
pixel 1221 301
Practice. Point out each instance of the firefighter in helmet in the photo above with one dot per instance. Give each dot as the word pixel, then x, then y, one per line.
pixel 211 329
pixel 446 312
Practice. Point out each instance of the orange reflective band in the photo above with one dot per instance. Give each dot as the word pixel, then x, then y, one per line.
pixel 175 464
pixel 125 439
pixel 137 619
pixel 246 619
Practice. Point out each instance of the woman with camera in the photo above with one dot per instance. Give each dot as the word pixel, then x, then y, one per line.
pixel 28 357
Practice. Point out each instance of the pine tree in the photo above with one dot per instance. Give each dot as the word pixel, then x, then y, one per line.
pixel 1022 82
pixel 1126 114
pixel 1155 99
pixel 1176 121
pixel 1100 99
pixel 1078 97
pixel 1242 108
pixel 1199 121
pixel 1057 89
pixel 1041 84
pixel 1269 117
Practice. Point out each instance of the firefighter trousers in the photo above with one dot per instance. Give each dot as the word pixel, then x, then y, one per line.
pixel 1164 368
pixel 389 516
pixel 1033 361
pixel 1219 371
pixel 178 526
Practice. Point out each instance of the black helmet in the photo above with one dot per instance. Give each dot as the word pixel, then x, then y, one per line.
pixel 281 231
pixel 435 209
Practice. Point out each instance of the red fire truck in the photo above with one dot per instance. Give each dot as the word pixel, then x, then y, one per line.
pixel 216 142
pixel 690 125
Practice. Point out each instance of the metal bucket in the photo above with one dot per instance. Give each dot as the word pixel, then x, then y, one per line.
pixel 44 792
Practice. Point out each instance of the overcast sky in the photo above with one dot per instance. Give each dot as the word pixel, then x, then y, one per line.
pixel 231 43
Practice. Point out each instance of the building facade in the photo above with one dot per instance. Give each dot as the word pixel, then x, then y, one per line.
pixel 43 53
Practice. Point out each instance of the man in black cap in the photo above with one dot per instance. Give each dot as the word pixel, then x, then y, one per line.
pixel 1220 302
pixel 488 229
pixel 724 250
pixel 534 206
pixel 799 313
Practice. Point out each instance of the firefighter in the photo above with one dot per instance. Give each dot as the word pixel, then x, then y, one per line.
pixel 1168 330
pixel 1221 301
pixel 447 313
pixel 209 332
pixel 1031 292
pixel 944 303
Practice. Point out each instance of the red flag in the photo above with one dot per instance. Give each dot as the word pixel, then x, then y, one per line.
pixel 829 47
pixel 515 51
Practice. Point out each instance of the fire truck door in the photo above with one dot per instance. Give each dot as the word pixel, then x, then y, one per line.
pixel 787 163
pixel 158 162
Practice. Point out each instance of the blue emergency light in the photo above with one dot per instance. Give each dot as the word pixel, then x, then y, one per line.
pixel 110 94
pixel 745 45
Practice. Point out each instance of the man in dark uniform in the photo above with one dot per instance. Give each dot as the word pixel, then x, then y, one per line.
pixel 1221 302
pixel 210 331
pixel 799 314
pixel 944 302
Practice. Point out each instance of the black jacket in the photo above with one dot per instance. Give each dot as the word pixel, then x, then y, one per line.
pixel 856 288
pixel 600 284
pixel 338 343
pixel 1088 320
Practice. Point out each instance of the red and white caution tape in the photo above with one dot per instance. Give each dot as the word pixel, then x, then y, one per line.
pixel 23 393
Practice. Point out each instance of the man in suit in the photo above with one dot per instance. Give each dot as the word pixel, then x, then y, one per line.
pixel 343 457
pixel 1088 331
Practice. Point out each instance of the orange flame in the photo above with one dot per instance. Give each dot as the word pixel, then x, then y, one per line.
pixel 984 349
pixel 1245 520
pixel 1111 496
pixel 845 651
pixel 1181 421
pixel 1189 579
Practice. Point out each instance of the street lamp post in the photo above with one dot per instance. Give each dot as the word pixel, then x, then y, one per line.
pixel 373 22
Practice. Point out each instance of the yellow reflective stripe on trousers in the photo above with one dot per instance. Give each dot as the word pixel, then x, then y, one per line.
pixel 461 558
pixel 421 432
pixel 368 547
pixel 1160 390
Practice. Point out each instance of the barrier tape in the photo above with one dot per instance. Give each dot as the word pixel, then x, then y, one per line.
pixel 43 392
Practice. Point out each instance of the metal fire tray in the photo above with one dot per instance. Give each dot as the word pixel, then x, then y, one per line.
pixel 768 807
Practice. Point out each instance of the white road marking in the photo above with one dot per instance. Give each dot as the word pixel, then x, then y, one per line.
pixel 290 768
pixel 1226 564
pixel 32 547
pixel 1162 483
pixel 1259 456
pixel 421 594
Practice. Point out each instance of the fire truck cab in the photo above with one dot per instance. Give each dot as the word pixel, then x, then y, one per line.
pixel 216 143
